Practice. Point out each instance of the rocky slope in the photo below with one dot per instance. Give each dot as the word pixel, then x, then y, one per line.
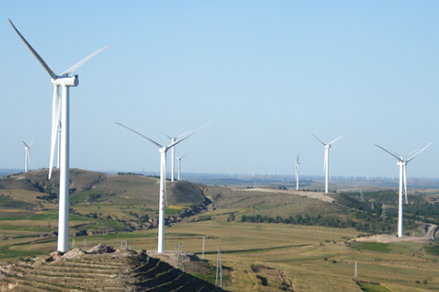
pixel 101 268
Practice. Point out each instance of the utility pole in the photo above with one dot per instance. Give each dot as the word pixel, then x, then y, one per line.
pixel 180 261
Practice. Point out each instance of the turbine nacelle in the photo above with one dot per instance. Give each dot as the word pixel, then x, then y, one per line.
pixel 67 81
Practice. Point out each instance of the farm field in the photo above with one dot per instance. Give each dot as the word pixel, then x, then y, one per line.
pixel 271 239
pixel 308 258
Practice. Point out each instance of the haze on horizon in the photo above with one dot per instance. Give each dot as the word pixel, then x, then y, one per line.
pixel 266 75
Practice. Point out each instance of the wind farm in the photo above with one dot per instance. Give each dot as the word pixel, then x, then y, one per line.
pixel 249 209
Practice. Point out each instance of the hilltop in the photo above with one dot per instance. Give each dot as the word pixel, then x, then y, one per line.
pixel 102 268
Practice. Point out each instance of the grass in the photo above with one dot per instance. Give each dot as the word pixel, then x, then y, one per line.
pixel 432 250
pixel 372 287
pixel 9 203
pixel 7 253
pixel 173 210
pixel 373 246
pixel 85 196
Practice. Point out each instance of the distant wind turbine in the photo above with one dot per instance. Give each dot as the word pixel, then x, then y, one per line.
pixel 162 193
pixel 26 155
pixel 402 182
pixel 60 106
pixel 297 172
pixel 179 165
pixel 173 152
pixel 326 161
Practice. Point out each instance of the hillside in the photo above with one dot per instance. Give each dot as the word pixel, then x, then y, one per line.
pixel 272 239
pixel 101 268
pixel 99 203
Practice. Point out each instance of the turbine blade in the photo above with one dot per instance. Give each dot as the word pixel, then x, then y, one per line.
pixel 46 67
pixel 182 134
pixel 393 154
pixel 80 63
pixel 419 152
pixel 165 134
pixel 155 143
pixel 55 119
pixel 409 153
pixel 335 140
pixel 25 144
pixel 297 160
pixel 405 183
pixel 178 141
pixel 318 139
pixel 31 143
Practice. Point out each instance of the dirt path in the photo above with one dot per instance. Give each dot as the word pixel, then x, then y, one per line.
pixel 312 195
pixel 431 231
pixel 389 239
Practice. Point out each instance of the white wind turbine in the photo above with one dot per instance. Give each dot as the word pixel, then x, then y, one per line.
pixel 162 193
pixel 326 161
pixel 402 182
pixel 179 165
pixel 26 155
pixel 173 152
pixel 60 106
pixel 297 172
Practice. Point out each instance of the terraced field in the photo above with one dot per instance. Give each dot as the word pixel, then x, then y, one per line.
pixel 100 269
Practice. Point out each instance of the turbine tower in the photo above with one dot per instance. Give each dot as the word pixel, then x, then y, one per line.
pixel 26 155
pixel 326 161
pixel 172 152
pixel 60 107
pixel 179 165
pixel 297 172
pixel 402 182
pixel 59 144
pixel 162 193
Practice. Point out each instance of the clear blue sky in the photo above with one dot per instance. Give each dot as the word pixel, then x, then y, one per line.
pixel 266 73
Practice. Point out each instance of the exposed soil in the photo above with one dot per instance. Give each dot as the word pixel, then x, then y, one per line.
pixel 102 268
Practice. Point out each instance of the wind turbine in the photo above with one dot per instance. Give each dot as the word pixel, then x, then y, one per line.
pixel 402 182
pixel 297 172
pixel 162 193
pixel 172 153
pixel 27 155
pixel 60 107
pixel 326 161
pixel 179 164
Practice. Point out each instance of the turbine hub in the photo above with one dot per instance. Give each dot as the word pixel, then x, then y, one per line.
pixel 66 81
